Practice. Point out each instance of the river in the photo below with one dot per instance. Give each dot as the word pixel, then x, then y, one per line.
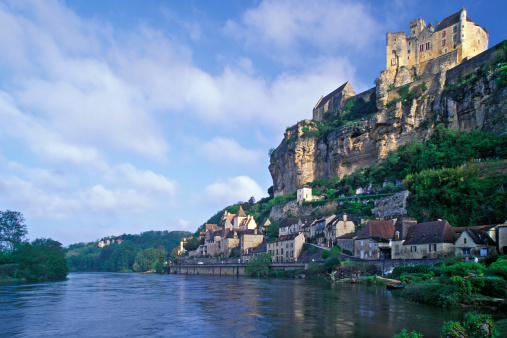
pixel 133 305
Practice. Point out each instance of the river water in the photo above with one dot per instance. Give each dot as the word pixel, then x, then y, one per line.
pixel 133 305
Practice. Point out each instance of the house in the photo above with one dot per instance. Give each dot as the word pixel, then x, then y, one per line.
pixel 319 229
pixel 337 227
pixel 346 242
pixel 474 243
pixel 286 248
pixel 264 225
pixel 429 240
pixel 502 238
pixel 253 252
pixel 250 239
pixel 401 228
pixel 286 226
pixel 373 240
pixel 333 101
pixel 307 227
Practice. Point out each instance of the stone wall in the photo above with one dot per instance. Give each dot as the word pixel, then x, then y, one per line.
pixel 391 206
pixel 292 208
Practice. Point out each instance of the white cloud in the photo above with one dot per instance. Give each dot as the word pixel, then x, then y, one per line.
pixel 289 25
pixel 232 190
pixel 145 181
pixel 223 150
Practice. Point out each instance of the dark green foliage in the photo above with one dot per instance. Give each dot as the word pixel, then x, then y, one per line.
pixel 464 268
pixel 38 261
pixel 407 96
pixel 259 265
pixel 489 259
pixel 192 244
pixel 479 325
pixel 347 252
pixel 405 334
pixel 331 262
pixel 432 292
pixel 310 249
pixel 494 287
pixel 499 268
pixel 121 257
pixel 452 329
pixel 12 229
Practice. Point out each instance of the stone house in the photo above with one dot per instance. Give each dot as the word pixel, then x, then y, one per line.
pixel 337 227
pixel 373 240
pixel 346 242
pixel 453 40
pixel 264 225
pixel 401 228
pixel 287 225
pixel 474 243
pixel 319 229
pixel 502 239
pixel 286 248
pixel 250 239
pixel 429 240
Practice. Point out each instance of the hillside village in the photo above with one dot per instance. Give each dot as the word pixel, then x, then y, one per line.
pixel 423 57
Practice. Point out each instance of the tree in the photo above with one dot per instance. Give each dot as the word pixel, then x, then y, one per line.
pixel 259 265
pixel 12 229
pixel 251 200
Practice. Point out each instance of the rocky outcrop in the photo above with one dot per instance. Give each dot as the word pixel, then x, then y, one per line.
pixel 292 208
pixel 392 206
pixel 302 157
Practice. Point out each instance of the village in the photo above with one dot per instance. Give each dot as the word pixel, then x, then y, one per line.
pixel 400 238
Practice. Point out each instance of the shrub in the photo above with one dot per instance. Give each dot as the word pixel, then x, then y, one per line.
pixel 325 254
pixel 494 287
pixel 331 262
pixel 476 284
pixel 499 268
pixel 479 325
pixel 464 268
pixel 429 292
pixel 489 259
pixel 259 265
pixel 405 334
pixel 452 329
pixel 348 252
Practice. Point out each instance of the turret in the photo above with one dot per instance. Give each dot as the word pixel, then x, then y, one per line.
pixel 416 27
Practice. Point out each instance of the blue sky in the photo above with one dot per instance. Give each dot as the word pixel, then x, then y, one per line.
pixel 127 116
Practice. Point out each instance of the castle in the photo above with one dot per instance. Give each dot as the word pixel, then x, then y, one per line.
pixel 421 54
pixel 457 35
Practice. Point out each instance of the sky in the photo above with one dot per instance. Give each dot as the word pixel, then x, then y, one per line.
pixel 127 116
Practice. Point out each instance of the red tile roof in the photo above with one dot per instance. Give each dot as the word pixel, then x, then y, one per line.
pixel 430 232
pixel 377 229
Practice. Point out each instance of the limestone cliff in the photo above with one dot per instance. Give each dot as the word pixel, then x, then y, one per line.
pixel 462 98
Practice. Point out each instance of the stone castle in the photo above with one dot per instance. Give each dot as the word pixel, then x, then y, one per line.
pixel 430 62
pixel 422 53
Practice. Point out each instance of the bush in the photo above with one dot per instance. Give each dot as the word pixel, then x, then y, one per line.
pixel 494 287
pixel 348 252
pixel 464 268
pixel 405 334
pixel 259 265
pixel 331 262
pixel 452 329
pixel 479 325
pixel 499 268
pixel 430 292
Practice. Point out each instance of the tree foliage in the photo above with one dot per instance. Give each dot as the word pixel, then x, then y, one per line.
pixel 12 229
pixel 259 265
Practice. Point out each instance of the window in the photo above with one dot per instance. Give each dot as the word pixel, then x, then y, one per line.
pixel 427 45
pixel 394 52
pixel 466 252
pixel 281 251
pixel 361 243
pixel 443 42
pixel 443 34
pixel 370 244
pixel 455 38
pixel 465 240
pixel 277 251
pixel 409 43
pixel 413 248
pixel 397 249
pixel 479 42
pixel 454 29
pixel 421 48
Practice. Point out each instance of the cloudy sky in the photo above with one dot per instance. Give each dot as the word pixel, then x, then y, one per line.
pixel 125 116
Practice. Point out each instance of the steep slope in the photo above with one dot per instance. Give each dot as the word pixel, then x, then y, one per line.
pixel 466 97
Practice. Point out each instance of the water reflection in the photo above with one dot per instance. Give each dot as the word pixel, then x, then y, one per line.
pixel 132 305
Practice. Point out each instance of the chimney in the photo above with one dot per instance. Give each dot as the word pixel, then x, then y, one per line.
pixel 345 217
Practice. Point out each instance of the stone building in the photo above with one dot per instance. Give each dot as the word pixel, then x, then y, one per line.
pixel 286 248
pixel 401 228
pixel 346 242
pixel 474 243
pixel 337 227
pixel 373 241
pixel 502 239
pixel 287 226
pixel 333 101
pixel 456 38
pixel 429 240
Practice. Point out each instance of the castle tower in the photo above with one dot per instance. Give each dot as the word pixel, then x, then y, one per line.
pixel 416 27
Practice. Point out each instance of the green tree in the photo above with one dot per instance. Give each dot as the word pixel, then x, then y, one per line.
pixel 259 265
pixel 12 229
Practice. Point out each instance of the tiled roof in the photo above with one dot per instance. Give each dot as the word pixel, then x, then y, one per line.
pixel 307 221
pixel 449 21
pixel 326 98
pixel 402 225
pixel 260 248
pixel 288 222
pixel 286 237
pixel 210 226
pixel 347 236
pixel 377 229
pixel 459 230
pixel 241 213
pixel 430 232
pixel 480 237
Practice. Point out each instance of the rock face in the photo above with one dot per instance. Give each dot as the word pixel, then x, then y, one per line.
pixel 301 157
pixel 392 206
pixel 291 208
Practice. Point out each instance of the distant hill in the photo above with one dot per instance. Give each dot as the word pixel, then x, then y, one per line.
pixel 144 252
